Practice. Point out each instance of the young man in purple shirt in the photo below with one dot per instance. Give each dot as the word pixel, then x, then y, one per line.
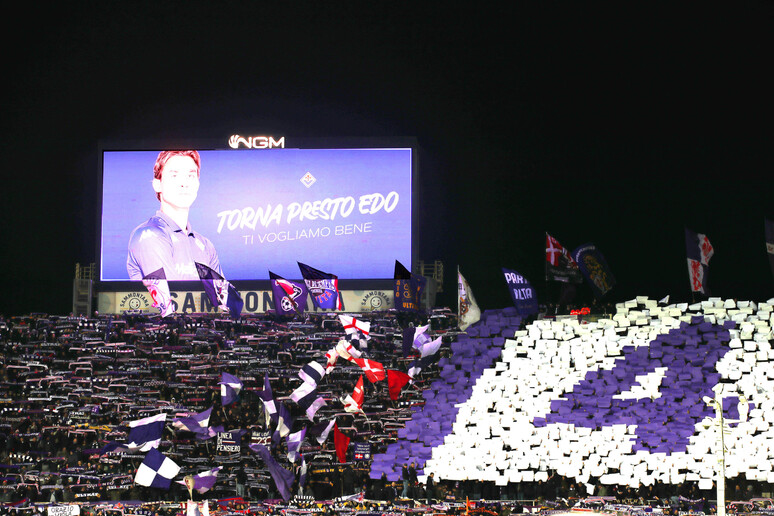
pixel 166 241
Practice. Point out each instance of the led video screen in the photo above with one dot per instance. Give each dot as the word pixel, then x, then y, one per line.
pixel 344 211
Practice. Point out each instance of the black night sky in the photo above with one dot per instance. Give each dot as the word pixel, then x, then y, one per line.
pixel 612 123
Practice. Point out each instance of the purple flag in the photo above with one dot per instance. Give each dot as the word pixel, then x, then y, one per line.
pixel 270 408
pixel 289 297
pixel 307 398
pixel 522 293
pixel 322 287
pixel 594 268
pixel 283 478
pixel 204 481
pixel 220 292
pixel 230 386
pixel 294 444
pixel 321 430
pixel 196 423
pixel 408 289
pixel 156 470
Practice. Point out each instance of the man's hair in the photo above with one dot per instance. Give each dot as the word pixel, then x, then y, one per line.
pixel 164 156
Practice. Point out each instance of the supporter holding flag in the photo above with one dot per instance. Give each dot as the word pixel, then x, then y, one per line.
pixel 322 287
pixel 230 386
pixel 699 251
pixel 220 292
pixel 289 296
pixel 467 308
pixel 156 470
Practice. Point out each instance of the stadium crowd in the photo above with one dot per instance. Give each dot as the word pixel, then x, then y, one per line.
pixel 70 385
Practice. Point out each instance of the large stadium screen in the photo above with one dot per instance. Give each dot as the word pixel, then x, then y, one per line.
pixel 346 211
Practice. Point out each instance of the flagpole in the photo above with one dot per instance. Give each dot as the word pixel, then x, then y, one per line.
pixel 458 295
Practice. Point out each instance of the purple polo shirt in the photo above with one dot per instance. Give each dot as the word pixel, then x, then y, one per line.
pixel 160 243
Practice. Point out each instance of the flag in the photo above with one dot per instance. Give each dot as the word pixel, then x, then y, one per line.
pixel 396 380
pixel 322 287
pixel 467 309
pixel 156 283
pixel 204 481
pixel 353 326
pixel 284 423
pixel 419 364
pixel 283 478
pixel 308 399
pixel 699 251
pixel 230 442
pixel 408 289
pixel 220 292
pixel 230 386
pixel 289 296
pixel 414 338
pixel 769 229
pixel 145 433
pixel 346 351
pixel 294 444
pixel 559 264
pixel 374 370
pixel 312 373
pixel 424 344
pixel 354 402
pixel 156 470
pixel 330 359
pixel 341 442
pixel 302 472
pixel 594 268
pixel 522 293
pixel 321 430
pixel 270 408
pixel 196 423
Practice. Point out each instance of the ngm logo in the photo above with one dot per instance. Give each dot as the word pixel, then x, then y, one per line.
pixel 256 142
